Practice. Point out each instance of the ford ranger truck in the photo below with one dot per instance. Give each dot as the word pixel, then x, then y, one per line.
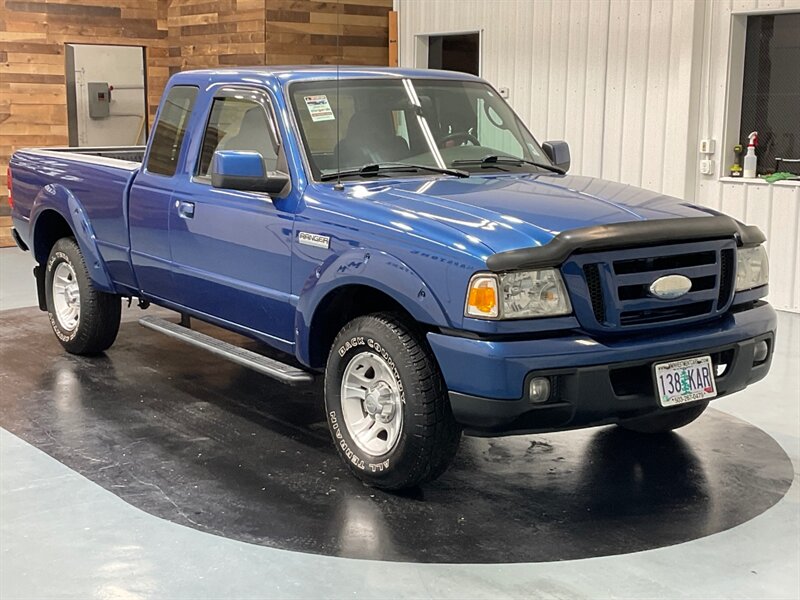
pixel 403 234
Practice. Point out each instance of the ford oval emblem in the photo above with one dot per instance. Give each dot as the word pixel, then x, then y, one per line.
pixel 670 287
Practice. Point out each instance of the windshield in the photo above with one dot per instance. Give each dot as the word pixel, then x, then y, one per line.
pixel 437 123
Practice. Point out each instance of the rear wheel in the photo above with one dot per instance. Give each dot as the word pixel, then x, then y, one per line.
pixel 387 404
pixel 666 421
pixel 85 320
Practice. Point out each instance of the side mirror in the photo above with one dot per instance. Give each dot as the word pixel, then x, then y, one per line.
pixel 236 170
pixel 558 153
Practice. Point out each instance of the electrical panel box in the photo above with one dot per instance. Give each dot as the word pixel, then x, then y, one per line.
pixel 99 100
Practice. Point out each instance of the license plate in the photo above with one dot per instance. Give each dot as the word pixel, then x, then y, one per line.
pixel 686 380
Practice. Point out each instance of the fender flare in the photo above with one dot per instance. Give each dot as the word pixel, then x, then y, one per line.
pixel 63 202
pixel 370 268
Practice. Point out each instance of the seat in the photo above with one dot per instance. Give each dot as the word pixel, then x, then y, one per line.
pixel 370 139
pixel 253 136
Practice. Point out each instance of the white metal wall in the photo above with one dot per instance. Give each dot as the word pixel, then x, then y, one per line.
pixel 625 82
pixel 774 208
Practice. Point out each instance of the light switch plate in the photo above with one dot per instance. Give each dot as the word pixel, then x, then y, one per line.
pixel 707 146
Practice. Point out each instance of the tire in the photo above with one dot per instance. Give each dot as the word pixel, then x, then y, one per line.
pixel 665 421
pixel 397 431
pixel 85 320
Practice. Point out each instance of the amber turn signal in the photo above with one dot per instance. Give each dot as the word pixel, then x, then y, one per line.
pixel 482 298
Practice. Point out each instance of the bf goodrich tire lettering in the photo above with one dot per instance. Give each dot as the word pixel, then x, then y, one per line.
pixel 386 404
pixel 85 320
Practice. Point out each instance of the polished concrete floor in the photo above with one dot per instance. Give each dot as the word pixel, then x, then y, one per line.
pixel 99 500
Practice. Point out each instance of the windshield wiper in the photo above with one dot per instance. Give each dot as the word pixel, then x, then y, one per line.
pixel 376 169
pixel 493 159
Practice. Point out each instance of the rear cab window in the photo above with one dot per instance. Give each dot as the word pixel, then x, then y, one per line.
pixel 165 148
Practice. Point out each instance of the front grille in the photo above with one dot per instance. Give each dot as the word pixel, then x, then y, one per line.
pixel 726 270
pixel 592 273
pixel 663 263
pixel 631 292
pixel 657 315
pixel 611 290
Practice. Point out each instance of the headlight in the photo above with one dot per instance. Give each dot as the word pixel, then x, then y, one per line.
pixel 752 268
pixel 518 295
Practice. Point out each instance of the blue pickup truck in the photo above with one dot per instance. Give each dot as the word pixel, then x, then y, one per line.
pixel 404 234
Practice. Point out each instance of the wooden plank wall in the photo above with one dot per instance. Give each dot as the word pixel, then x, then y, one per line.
pixel 33 102
pixel 177 35
pixel 208 33
pixel 304 32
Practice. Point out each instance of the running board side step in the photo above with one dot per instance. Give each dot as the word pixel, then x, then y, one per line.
pixel 241 356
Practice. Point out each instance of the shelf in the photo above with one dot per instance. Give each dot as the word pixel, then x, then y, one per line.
pixel 758 181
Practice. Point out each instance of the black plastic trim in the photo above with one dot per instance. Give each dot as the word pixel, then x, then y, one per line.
pixel 620 235
pixel 273 183
pixel 38 274
pixel 18 240
pixel 522 336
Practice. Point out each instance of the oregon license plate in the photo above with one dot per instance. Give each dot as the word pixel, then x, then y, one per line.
pixel 686 380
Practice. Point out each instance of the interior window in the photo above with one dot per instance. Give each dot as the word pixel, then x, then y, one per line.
pixel 170 130
pixel 400 126
pixel 237 124
pixel 353 123
pixel 771 90
pixel 321 132
pixel 495 132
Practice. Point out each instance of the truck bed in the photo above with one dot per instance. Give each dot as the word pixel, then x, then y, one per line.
pixel 131 154
pixel 89 186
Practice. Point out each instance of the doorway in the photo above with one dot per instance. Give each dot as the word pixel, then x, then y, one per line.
pixel 106 95
pixel 455 52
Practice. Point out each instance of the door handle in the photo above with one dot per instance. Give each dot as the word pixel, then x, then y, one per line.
pixel 185 209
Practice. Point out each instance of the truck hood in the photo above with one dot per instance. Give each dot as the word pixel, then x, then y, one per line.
pixel 508 212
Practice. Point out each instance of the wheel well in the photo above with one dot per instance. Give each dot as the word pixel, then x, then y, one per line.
pixel 50 227
pixel 341 306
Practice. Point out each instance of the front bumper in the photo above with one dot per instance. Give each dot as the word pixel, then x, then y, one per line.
pixel 595 381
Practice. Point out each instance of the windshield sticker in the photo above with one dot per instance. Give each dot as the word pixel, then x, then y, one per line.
pixel 319 108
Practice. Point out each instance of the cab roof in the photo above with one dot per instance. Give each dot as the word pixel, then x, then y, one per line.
pixel 286 74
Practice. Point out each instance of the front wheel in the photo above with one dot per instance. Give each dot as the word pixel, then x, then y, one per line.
pixel 85 320
pixel 666 421
pixel 387 405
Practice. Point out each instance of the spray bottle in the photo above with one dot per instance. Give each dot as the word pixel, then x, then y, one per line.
pixel 750 159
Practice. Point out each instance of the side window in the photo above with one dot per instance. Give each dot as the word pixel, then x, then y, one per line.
pixel 170 130
pixel 236 124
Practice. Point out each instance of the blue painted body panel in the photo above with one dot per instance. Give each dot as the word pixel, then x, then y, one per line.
pixel 149 207
pixel 494 369
pixel 88 196
pixel 237 261
pixel 240 164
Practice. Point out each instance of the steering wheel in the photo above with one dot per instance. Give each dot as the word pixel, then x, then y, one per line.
pixel 460 137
